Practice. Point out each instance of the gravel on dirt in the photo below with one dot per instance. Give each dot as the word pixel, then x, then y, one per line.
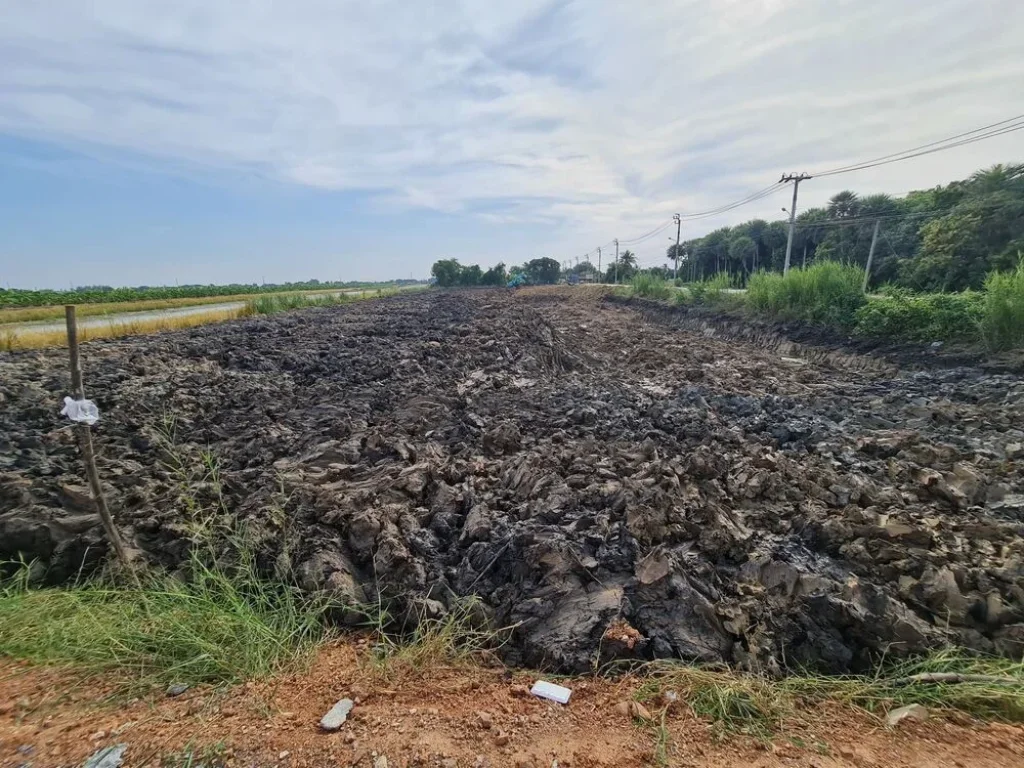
pixel 611 485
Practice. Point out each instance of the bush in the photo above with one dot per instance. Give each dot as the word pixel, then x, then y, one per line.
pixel 925 317
pixel 1002 323
pixel 825 293
pixel 709 291
pixel 651 286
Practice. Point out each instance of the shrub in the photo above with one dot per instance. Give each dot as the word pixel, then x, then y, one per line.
pixel 825 293
pixel 651 286
pixel 709 291
pixel 925 317
pixel 1002 323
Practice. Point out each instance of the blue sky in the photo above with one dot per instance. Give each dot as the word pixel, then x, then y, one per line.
pixel 153 142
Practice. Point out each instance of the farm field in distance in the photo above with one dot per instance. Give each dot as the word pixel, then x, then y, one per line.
pixel 615 483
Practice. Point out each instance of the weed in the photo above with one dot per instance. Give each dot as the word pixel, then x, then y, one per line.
pixel 273 303
pixel 651 286
pixel 423 642
pixel 733 702
pixel 712 291
pixel 1002 324
pixel 825 293
pixel 924 317
pixel 214 756
pixel 223 624
pixel 987 686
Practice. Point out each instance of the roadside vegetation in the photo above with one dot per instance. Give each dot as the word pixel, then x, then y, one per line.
pixel 830 294
pixel 11 339
pixel 103 294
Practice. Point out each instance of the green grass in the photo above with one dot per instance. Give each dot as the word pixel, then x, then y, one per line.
pixel 736 702
pixel 825 293
pixel 710 292
pixel 922 317
pixel 220 625
pixel 422 643
pixel 651 286
pixel 1002 325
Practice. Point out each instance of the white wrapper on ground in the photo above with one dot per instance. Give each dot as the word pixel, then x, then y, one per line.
pixel 551 691
pixel 81 411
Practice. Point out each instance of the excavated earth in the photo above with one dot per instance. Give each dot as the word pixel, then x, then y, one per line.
pixel 610 481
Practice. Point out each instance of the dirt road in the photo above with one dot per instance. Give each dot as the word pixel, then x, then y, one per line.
pixel 450 718
pixel 567 459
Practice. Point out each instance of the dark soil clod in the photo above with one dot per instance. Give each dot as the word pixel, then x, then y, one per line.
pixel 613 486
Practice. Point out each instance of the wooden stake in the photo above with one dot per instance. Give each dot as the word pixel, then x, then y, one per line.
pixel 85 439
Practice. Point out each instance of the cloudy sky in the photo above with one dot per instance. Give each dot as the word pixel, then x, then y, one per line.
pixel 246 140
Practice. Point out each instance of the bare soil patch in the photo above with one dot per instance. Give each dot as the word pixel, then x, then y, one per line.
pixel 576 464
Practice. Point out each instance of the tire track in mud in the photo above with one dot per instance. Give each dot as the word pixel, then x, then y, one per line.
pixel 575 463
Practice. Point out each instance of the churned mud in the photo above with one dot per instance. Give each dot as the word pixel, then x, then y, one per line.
pixel 576 463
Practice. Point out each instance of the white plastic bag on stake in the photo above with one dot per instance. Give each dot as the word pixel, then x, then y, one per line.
pixel 81 411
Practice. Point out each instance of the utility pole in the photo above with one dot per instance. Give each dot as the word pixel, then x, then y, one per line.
pixel 796 179
pixel 871 255
pixel 679 224
pixel 599 272
pixel 616 261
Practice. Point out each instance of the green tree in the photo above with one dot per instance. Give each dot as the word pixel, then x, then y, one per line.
pixel 542 271
pixel 447 272
pixel 742 252
pixel 470 276
pixel 496 275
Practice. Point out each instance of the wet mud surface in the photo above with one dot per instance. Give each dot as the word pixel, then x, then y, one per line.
pixel 609 483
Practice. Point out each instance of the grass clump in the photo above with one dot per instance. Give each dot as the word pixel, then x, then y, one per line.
pixel 651 286
pixel 273 303
pixel 924 317
pixel 221 625
pixel 1002 324
pixel 709 292
pixel 423 642
pixel 825 293
pixel 983 686
pixel 735 702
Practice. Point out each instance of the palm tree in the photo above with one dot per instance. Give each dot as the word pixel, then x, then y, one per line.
pixel 996 178
pixel 627 259
pixel 843 205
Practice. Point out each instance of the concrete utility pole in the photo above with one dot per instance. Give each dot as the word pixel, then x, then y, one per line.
pixel 599 272
pixel 871 255
pixel 679 224
pixel 796 179
pixel 616 261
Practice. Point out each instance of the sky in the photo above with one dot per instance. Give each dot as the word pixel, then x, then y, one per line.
pixel 147 142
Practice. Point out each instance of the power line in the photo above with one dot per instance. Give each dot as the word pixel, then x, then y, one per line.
pixel 950 142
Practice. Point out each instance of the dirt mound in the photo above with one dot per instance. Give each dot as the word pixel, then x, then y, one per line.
pixel 575 464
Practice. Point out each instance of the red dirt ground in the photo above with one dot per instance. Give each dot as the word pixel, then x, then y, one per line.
pixel 448 717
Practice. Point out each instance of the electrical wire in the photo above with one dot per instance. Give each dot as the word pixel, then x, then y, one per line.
pixel 950 142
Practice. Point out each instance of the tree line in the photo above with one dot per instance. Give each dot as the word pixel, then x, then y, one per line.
pixel 942 239
pixel 448 273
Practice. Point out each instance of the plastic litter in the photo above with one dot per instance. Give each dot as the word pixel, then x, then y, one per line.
pixel 108 757
pixel 551 691
pixel 81 411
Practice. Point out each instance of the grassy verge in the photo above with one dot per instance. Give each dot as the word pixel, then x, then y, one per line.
pixel 31 314
pixel 221 625
pixel 714 291
pixel 987 687
pixel 11 340
pixel 266 304
pixel 652 287
pixel 826 293
pixel 1002 324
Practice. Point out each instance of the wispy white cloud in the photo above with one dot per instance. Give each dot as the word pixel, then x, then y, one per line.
pixel 596 118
